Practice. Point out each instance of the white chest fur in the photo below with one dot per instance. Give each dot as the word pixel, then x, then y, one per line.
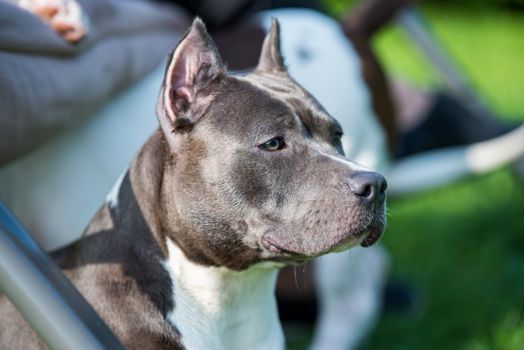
pixel 217 308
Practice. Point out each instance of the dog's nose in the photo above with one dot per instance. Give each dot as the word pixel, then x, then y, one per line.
pixel 368 185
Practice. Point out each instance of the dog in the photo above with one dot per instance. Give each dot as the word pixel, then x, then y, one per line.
pixel 244 175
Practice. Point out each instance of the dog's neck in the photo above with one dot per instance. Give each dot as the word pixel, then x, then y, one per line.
pixel 214 307
pixel 218 308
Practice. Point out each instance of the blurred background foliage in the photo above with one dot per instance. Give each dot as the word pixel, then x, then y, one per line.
pixel 461 248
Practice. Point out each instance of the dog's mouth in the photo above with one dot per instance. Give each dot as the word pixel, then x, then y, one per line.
pixel 280 253
pixel 282 249
pixel 270 244
pixel 372 235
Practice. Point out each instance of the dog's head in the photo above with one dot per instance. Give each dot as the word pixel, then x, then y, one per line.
pixel 256 170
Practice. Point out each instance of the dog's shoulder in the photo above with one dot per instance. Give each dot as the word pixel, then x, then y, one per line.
pixel 118 268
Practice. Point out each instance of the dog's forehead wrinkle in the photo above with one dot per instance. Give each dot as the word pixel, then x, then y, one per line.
pixel 316 121
pixel 306 109
pixel 281 88
pixel 257 112
pixel 278 83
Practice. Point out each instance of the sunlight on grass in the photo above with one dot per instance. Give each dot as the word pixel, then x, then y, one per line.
pixel 485 43
pixel 462 247
pixel 508 335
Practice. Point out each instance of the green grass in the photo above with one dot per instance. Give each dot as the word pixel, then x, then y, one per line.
pixel 486 43
pixel 461 247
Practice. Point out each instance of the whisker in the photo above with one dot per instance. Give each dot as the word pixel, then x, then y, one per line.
pixel 295 276
pixel 303 273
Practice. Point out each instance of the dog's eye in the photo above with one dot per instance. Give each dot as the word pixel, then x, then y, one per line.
pixel 339 134
pixel 275 144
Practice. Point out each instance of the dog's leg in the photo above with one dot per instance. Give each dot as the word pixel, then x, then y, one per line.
pixel 436 168
pixel 349 285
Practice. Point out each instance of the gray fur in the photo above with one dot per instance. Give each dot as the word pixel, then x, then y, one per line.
pixel 203 181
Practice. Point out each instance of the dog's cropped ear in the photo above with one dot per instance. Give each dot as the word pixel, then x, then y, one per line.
pixel 194 64
pixel 271 59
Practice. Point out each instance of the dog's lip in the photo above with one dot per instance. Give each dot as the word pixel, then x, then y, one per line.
pixel 269 244
pixel 371 236
pixel 282 253
pixel 365 237
pixel 368 237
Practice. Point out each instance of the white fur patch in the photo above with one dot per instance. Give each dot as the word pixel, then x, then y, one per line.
pixel 218 308
pixel 112 196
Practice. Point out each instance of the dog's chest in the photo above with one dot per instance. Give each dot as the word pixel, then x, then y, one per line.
pixel 217 308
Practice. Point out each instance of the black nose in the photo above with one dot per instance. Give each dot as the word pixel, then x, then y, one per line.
pixel 368 185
